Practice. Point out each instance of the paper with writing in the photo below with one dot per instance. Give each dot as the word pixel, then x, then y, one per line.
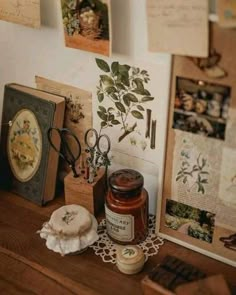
pixel 178 26
pixel 25 12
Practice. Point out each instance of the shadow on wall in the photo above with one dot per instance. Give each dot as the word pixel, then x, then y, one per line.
pixel 49 12
pixel 122 37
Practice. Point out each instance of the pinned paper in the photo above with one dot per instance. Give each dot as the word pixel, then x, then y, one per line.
pixel 25 12
pixel 226 10
pixel 178 27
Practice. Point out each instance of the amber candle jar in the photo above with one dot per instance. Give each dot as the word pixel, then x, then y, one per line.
pixel 126 207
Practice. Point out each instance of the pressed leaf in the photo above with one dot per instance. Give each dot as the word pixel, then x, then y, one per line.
pixel 120 107
pixel 131 97
pixel 106 80
pixel 103 65
pixel 137 114
pixel 115 67
pixel 126 100
pixel 100 97
pixel 102 115
pixel 147 98
pixel 115 122
pixel 102 109
pixel 110 89
pixel 139 107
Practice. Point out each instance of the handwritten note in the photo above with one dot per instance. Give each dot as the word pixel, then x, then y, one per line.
pixel 178 26
pixel 226 10
pixel 25 12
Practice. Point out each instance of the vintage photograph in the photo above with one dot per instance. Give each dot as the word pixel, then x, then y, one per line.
pixel 87 25
pixel 201 107
pixel 190 221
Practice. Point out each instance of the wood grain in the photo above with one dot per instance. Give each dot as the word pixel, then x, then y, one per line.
pixel 24 253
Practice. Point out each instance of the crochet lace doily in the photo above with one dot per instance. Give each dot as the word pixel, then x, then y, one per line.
pixel 106 249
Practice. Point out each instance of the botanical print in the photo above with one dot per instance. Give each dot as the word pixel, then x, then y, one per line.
pixel 229 241
pixel 124 89
pixel 197 172
pixel 25 12
pixel 190 221
pixel 201 107
pixel 227 192
pixel 87 25
pixel 24 145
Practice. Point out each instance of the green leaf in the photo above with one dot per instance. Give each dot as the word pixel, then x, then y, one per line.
pixel 106 80
pixel 147 98
pixel 110 89
pixel 102 65
pixel 100 97
pixel 137 114
pixel 120 107
pixel 115 67
pixel 130 97
pixel 139 107
pixel 115 122
pixel 102 109
pixel 102 115
pixel 126 101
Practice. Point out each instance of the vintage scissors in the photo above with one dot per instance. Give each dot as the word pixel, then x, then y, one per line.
pixel 65 152
pixel 98 155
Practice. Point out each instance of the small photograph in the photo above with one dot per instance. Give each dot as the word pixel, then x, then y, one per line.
pixel 201 107
pixel 190 221
pixel 87 25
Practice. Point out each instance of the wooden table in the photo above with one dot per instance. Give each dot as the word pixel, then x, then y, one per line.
pixel 28 267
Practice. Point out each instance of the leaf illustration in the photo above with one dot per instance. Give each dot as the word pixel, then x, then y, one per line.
pixel 139 84
pixel 185 179
pixel 120 86
pixel 100 97
pixel 179 177
pixel 102 109
pixel 103 124
pixel 115 122
pixel 124 68
pixel 106 80
pixel 114 96
pixel 115 67
pixel 140 108
pixel 126 101
pixel 102 115
pixel 120 107
pixel 110 89
pixel 146 92
pixel 131 97
pixel 137 114
pixel 125 79
pixel 102 65
pixel 147 98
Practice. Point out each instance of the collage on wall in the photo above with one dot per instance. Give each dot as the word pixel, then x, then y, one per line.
pixel 198 208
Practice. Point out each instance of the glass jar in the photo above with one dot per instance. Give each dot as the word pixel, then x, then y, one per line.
pixel 126 207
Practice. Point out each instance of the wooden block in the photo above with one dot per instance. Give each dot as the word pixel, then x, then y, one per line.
pixel 89 195
pixel 213 285
pixel 151 288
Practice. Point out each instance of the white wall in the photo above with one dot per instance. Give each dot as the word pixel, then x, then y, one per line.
pixel 26 52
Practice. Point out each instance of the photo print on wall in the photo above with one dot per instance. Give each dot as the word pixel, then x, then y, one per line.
pixel 87 25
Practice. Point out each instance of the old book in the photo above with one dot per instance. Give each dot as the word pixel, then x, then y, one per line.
pixel 29 162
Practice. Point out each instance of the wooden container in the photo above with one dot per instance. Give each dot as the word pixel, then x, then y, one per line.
pixel 89 195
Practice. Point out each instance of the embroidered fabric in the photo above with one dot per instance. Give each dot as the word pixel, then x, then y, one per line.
pixel 106 249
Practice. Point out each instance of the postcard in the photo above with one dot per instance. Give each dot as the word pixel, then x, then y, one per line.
pixel 87 25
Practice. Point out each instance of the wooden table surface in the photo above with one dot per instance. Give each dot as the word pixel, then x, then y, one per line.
pixel 28 267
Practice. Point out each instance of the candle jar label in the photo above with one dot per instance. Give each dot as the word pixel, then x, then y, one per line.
pixel 119 226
